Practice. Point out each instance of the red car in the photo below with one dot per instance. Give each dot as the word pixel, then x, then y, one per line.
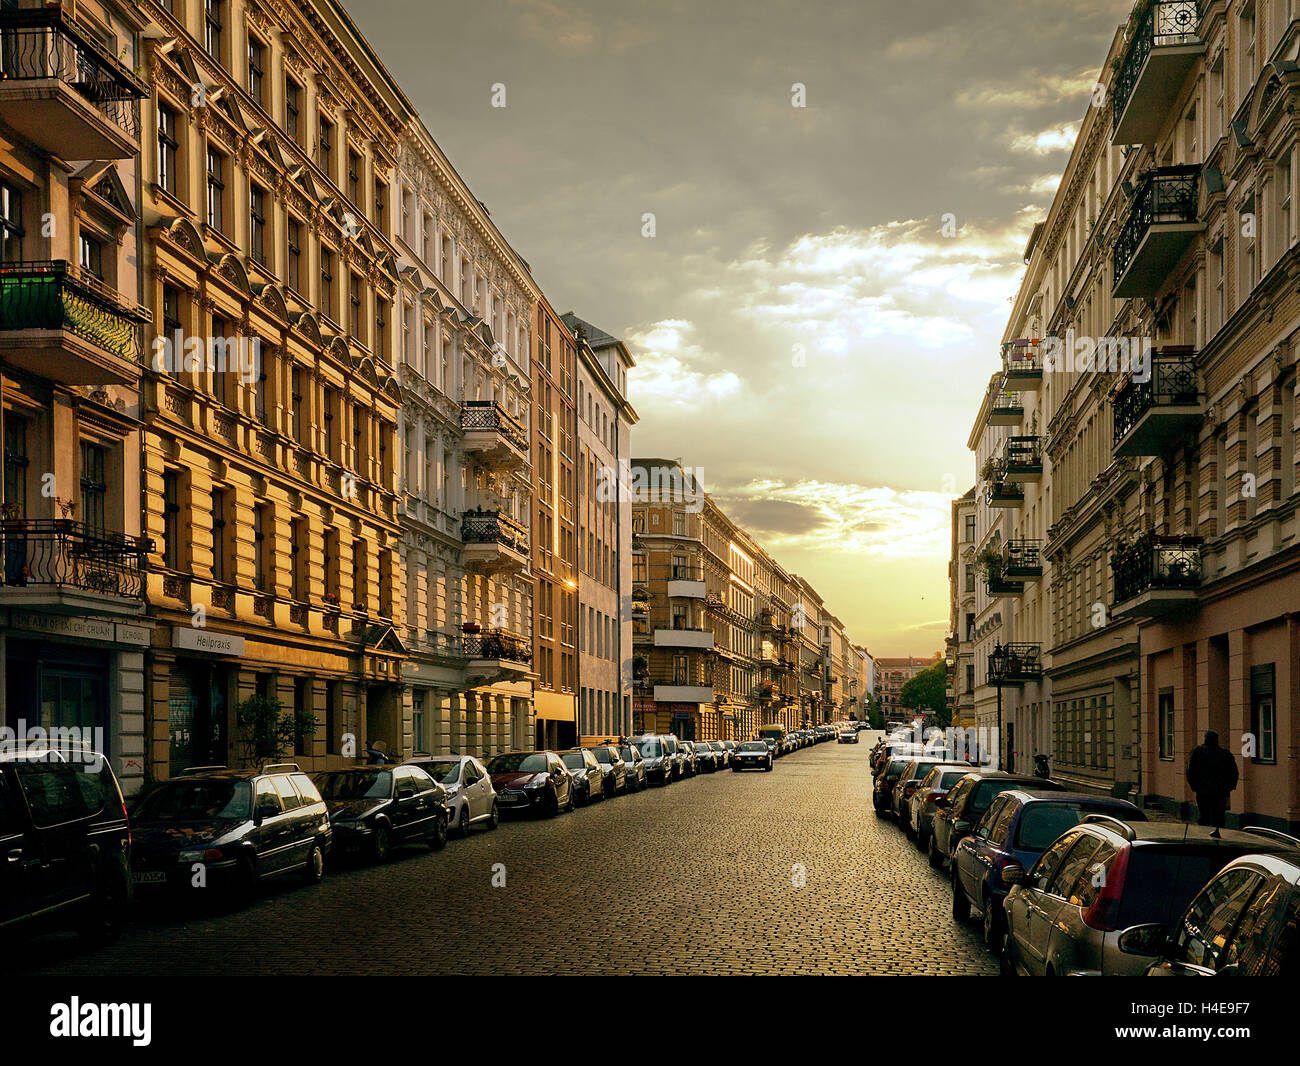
pixel 531 781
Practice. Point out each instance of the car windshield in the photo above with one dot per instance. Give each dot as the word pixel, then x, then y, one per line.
pixel 626 754
pixel 753 745
pixel 895 769
pixel 602 755
pixel 518 762
pixel 197 801
pixel 574 760
pixel 649 748
pixel 986 793
pixel 356 784
pixel 447 771
pixel 1041 823
pixel 951 777
pixel 1162 881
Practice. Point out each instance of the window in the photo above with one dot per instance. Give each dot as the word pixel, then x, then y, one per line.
pixel 293 109
pixel 216 189
pixel 167 147
pixel 1282 197
pixel 1204 929
pixel 293 247
pixel 220 537
pixel 296 401
pixel 1049 862
pixel 15 461
pixel 221 334
pixel 259 393
pixel 1165 714
pixel 256 67
pixel 92 257
pixel 261 546
pixel 331 563
pixel 1263 714
pixel 325 147
pixel 330 435
pixel 257 223
pixel 171 521
pixel 212 28
pixel 327 281
pixel 299 535
pixel 354 306
pixel 381 203
pixel 354 177
pixel 94 487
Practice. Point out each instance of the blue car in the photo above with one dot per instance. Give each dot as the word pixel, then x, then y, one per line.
pixel 1017 828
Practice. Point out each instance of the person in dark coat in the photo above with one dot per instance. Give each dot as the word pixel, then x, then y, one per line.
pixel 1212 775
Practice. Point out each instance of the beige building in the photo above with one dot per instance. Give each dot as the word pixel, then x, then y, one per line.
pixel 962 578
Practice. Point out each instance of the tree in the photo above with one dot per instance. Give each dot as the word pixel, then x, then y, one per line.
pixel 927 692
pixel 875 716
pixel 266 729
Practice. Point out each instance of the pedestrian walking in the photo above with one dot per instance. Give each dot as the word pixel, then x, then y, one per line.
pixel 1212 775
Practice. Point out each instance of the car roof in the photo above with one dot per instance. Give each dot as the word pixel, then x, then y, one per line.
pixel 1283 864
pixel 1026 779
pixel 1156 833
pixel 1027 795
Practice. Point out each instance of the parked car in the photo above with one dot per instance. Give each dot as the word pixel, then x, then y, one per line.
pixel 753 755
pixel 686 758
pixel 66 841
pixel 612 767
pixel 634 763
pixel 908 782
pixel 965 805
pixel 732 747
pixel 471 798
pixel 886 778
pixel 376 808
pixel 533 781
pixel 1244 923
pixel 1094 901
pixel 240 826
pixel 927 796
pixel 1017 828
pixel 848 736
pixel 588 778
pixel 706 759
pixel 722 754
pixel 660 755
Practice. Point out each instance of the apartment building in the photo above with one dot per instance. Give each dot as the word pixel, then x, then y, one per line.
pixel 894 673
pixel 467 372
pixel 1169 547
pixel 73 634
pixel 962 578
pixel 806 622
pixel 605 420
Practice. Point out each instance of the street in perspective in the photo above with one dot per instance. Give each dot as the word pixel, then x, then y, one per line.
pixel 572 488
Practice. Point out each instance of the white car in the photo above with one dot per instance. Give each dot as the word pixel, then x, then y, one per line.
pixel 470 795
pixel 848 736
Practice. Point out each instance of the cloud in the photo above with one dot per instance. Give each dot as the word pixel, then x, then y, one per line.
pixel 1058 138
pixel 1031 90
pixel 567 30
pixel 672 369
pixel 772 515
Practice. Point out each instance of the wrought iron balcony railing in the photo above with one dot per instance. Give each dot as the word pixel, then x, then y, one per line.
pixel 1164 194
pixel 1004 494
pixel 1009 663
pixel 497 644
pixel 1022 359
pixel 40 45
pixel 1173 382
pixel 493 527
pixel 1156 562
pixel 490 415
pixel 63 553
pixel 1006 408
pixel 1022 558
pixel 55 294
pixel 1165 22
pixel 1021 455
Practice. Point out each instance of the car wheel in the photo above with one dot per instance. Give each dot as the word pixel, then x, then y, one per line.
pixel 553 804
pixel 936 860
pixel 1007 961
pixel 379 843
pixel 462 823
pixel 960 904
pixel 992 927
pixel 439 839
pixel 107 914
pixel 569 806
pixel 920 842
pixel 494 819
pixel 314 870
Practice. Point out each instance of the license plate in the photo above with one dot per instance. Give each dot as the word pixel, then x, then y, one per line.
pixel 148 877
pixel 510 799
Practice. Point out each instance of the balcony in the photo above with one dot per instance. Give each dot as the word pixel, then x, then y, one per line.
pixel 493 436
pixel 69 565
pixel 493 542
pixel 1005 408
pixel 1022 459
pixel 1160 55
pixel 64 324
pixel 1162 222
pixel 999 583
pixel 1153 415
pixel 496 655
pixel 1005 494
pixel 1022 364
pixel 63 91
pixel 1022 559
pixel 1014 664
pixel 686 582
pixel 1156 576
pixel 684 638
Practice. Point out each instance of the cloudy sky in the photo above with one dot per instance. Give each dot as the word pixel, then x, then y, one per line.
pixel 808 331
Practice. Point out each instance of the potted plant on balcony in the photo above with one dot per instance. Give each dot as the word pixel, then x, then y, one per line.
pixel 67 508
pixel 640 667
pixel 331 601
pixel 988 561
pixel 11 514
pixel 471 627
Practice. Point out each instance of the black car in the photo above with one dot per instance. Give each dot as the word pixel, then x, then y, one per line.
pixel 964 806
pixel 706 759
pixel 213 827
pixel 752 755
pixel 588 778
pixel 376 808
pixel 531 781
pixel 635 763
pixel 613 767
pixel 66 843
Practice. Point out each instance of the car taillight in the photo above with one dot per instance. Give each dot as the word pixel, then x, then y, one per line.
pixel 1103 915
pixel 930 797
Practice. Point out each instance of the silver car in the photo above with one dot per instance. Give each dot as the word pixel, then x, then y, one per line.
pixel 470 795
pixel 1090 905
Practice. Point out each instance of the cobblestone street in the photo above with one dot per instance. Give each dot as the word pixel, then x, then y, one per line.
pixel 695 878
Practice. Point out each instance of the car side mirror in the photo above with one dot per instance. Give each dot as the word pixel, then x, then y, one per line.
pixel 942 801
pixel 405 792
pixel 1013 875
pixel 961 828
pixel 1151 938
pixel 264 811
